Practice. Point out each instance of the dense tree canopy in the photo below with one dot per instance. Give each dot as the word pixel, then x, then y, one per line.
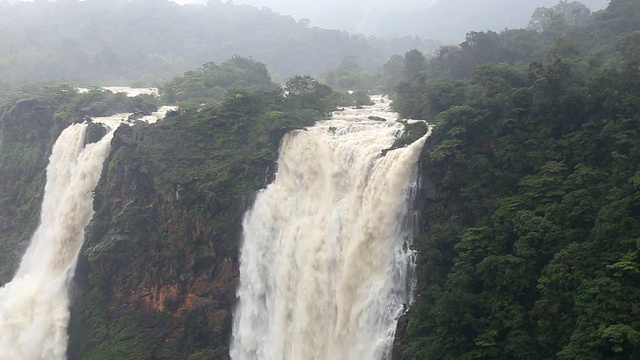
pixel 210 82
pixel 531 237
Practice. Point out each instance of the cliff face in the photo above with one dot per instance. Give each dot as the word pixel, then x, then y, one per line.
pixel 158 270
pixel 154 276
pixel 427 194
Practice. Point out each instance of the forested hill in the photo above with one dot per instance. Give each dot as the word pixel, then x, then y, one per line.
pixel 106 40
pixel 531 241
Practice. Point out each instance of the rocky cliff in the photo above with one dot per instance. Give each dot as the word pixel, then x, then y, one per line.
pixel 157 273
pixel 427 194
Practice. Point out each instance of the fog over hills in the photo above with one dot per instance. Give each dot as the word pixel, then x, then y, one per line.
pixel 151 39
pixel 445 20
pixel 107 40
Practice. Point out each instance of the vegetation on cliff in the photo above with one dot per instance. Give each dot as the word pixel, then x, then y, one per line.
pixel 531 234
pixel 209 82
pixel 27 133
pixel 209 85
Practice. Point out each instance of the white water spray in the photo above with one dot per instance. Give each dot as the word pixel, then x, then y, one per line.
pixel 34 306
pixel 325 264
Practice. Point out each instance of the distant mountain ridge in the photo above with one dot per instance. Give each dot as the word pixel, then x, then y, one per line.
pixel 444 20
pixel 107 40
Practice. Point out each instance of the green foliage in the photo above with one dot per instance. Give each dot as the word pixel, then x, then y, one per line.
pixel 305 92
pixel 555 18
pixel 587 44
pixel 27 132
pixel 534 168
pixel 209 83
pixel 348 76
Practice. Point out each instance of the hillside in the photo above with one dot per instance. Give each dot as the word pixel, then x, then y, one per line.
pixel 531 203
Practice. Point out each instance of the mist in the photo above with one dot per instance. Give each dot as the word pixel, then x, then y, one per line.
pixel 443 20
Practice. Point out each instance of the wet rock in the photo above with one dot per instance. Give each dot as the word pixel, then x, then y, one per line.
pixel 95 132
pixel 138 115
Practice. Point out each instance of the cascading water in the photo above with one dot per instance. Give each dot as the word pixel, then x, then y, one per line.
pixel 34 306
pixel 325 264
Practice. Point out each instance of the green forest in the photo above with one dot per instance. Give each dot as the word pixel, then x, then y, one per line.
pixel 531 202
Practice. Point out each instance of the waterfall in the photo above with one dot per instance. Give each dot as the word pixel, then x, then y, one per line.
pixel 34 306
pixel 325 265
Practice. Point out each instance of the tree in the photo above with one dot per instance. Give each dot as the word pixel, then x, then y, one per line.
pixel 392 72
pixel 630 47
pixel 414 65
pixel 304 91
pixel 570 13
pixel 300 85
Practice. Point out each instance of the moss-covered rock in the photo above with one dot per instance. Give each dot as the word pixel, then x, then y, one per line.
pixel 95 132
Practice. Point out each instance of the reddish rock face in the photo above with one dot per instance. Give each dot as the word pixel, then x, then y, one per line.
pixel 160 258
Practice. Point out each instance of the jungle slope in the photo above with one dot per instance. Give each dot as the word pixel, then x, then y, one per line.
pixel 531 233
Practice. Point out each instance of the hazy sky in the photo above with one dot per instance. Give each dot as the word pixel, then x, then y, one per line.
pixel 290 7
